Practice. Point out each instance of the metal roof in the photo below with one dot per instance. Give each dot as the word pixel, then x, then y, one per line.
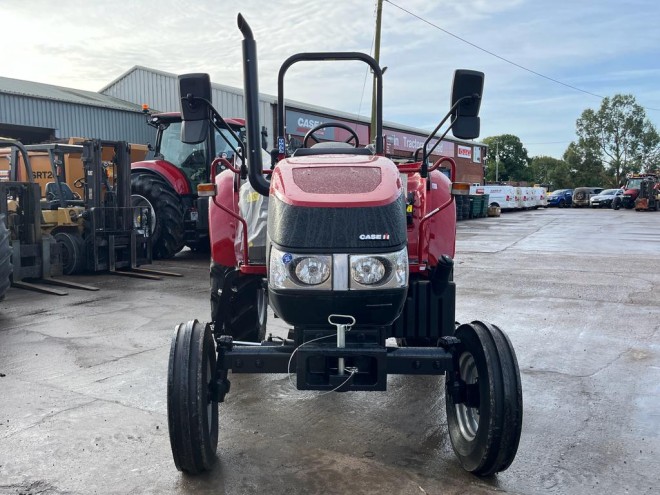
pixel 43 91
pixel 306 107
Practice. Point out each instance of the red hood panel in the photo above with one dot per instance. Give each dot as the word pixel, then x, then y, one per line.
pixel 337 180
pixel 344 181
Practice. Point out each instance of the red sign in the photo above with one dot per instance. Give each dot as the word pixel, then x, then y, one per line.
pixel 464 152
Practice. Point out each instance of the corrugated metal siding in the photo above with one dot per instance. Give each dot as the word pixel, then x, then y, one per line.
pixel 161 92
pixel 70 120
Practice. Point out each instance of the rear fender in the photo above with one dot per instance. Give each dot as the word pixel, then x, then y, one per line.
pixel 441 229
pixel 222 226
pixel 173 175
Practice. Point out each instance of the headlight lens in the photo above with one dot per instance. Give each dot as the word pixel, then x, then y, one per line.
pixel 312 270
pixel 367 270
pixel 383 271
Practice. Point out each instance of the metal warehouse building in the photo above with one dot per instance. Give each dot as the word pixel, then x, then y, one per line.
pixel 159 90
pixel 34 112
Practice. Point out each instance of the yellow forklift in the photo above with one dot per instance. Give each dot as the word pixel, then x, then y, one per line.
pixel 67 232
pixel 27 254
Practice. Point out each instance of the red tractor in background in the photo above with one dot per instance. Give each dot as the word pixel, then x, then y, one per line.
pixel 356 254
pixel 640 192
pixel 168 183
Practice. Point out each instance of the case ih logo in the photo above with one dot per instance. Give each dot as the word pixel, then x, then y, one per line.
pixel 374 237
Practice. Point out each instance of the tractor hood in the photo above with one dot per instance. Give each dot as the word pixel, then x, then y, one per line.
pixel 337 202
pixel 343 181
pixel 631 192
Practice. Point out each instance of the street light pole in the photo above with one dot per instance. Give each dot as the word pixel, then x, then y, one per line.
pixel 497 162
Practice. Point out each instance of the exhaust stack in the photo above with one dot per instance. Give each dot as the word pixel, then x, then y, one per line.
pixel 251 90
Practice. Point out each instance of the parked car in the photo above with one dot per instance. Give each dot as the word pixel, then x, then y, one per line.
pixel 605 198
pixel 581 195
pixel 561 198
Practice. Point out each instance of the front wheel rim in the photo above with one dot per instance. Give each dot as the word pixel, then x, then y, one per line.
pixel 139 201
pixel 468 417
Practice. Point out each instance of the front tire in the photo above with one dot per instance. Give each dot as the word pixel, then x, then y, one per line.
pixel 167 228
pixel 5 259
pixel 485 427
pixel 72 248
pixel 192 413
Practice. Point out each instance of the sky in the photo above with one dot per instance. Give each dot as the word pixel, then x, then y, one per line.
pixel 603 47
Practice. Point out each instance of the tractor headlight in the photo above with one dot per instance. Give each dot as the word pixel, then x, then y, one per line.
pixel 351 271
pixel 367 270
pixel 382 271
pixel 312 270
pixel 299 271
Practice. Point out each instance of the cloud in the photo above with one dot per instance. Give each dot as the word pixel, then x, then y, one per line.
pixel 598 46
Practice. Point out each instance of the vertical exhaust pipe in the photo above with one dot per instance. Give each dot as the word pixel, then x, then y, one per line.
pixel 251 90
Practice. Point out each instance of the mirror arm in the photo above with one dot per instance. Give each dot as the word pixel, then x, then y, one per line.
pixel 424 171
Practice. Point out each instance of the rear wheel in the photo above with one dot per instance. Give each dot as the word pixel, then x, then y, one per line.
pixel 72 248
pixel 244 314
pixel 486 420
pixel 167 229
pixel 5 259
pixel 562 203
pixel 192 413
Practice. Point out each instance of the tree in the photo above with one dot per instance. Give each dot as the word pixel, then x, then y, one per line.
pixel 585 166
pixel 513 158
pixel 620 135
pixel 552 172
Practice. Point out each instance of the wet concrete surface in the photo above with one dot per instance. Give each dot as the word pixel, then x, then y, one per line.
pixel 83 379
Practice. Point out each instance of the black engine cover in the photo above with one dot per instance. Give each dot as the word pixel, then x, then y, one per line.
pixel 335 230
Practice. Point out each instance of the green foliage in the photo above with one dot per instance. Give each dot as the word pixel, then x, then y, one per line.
pixel 513 158
pixel 619 135
pixel 550 171
pixel 585 166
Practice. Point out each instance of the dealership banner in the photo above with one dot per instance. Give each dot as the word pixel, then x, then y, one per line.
pixel 404 141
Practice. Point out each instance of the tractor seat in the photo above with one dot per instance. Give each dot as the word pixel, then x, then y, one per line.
pixel 53 196
pixel 332 148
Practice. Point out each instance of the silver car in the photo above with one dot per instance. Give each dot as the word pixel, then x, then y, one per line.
pixel 604 198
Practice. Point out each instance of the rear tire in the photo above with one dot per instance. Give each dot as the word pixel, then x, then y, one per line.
pixel 247 306
pixel 192 414
pixel 72 248
pixel 167 225
pixel 485 436
pixel 5 259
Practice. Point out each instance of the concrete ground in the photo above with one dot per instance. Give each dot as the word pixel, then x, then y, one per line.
pixel 83 380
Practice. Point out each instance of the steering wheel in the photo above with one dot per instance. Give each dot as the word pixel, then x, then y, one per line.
pixel 194 159
pixel 79 183
pixel 310 134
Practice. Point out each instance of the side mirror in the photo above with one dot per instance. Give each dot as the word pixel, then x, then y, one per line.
pixel 195 97
pixel 467 89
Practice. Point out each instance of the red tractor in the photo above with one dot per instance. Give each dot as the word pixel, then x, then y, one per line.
pixel 355 254
pixel 646 184
pixel 168 184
